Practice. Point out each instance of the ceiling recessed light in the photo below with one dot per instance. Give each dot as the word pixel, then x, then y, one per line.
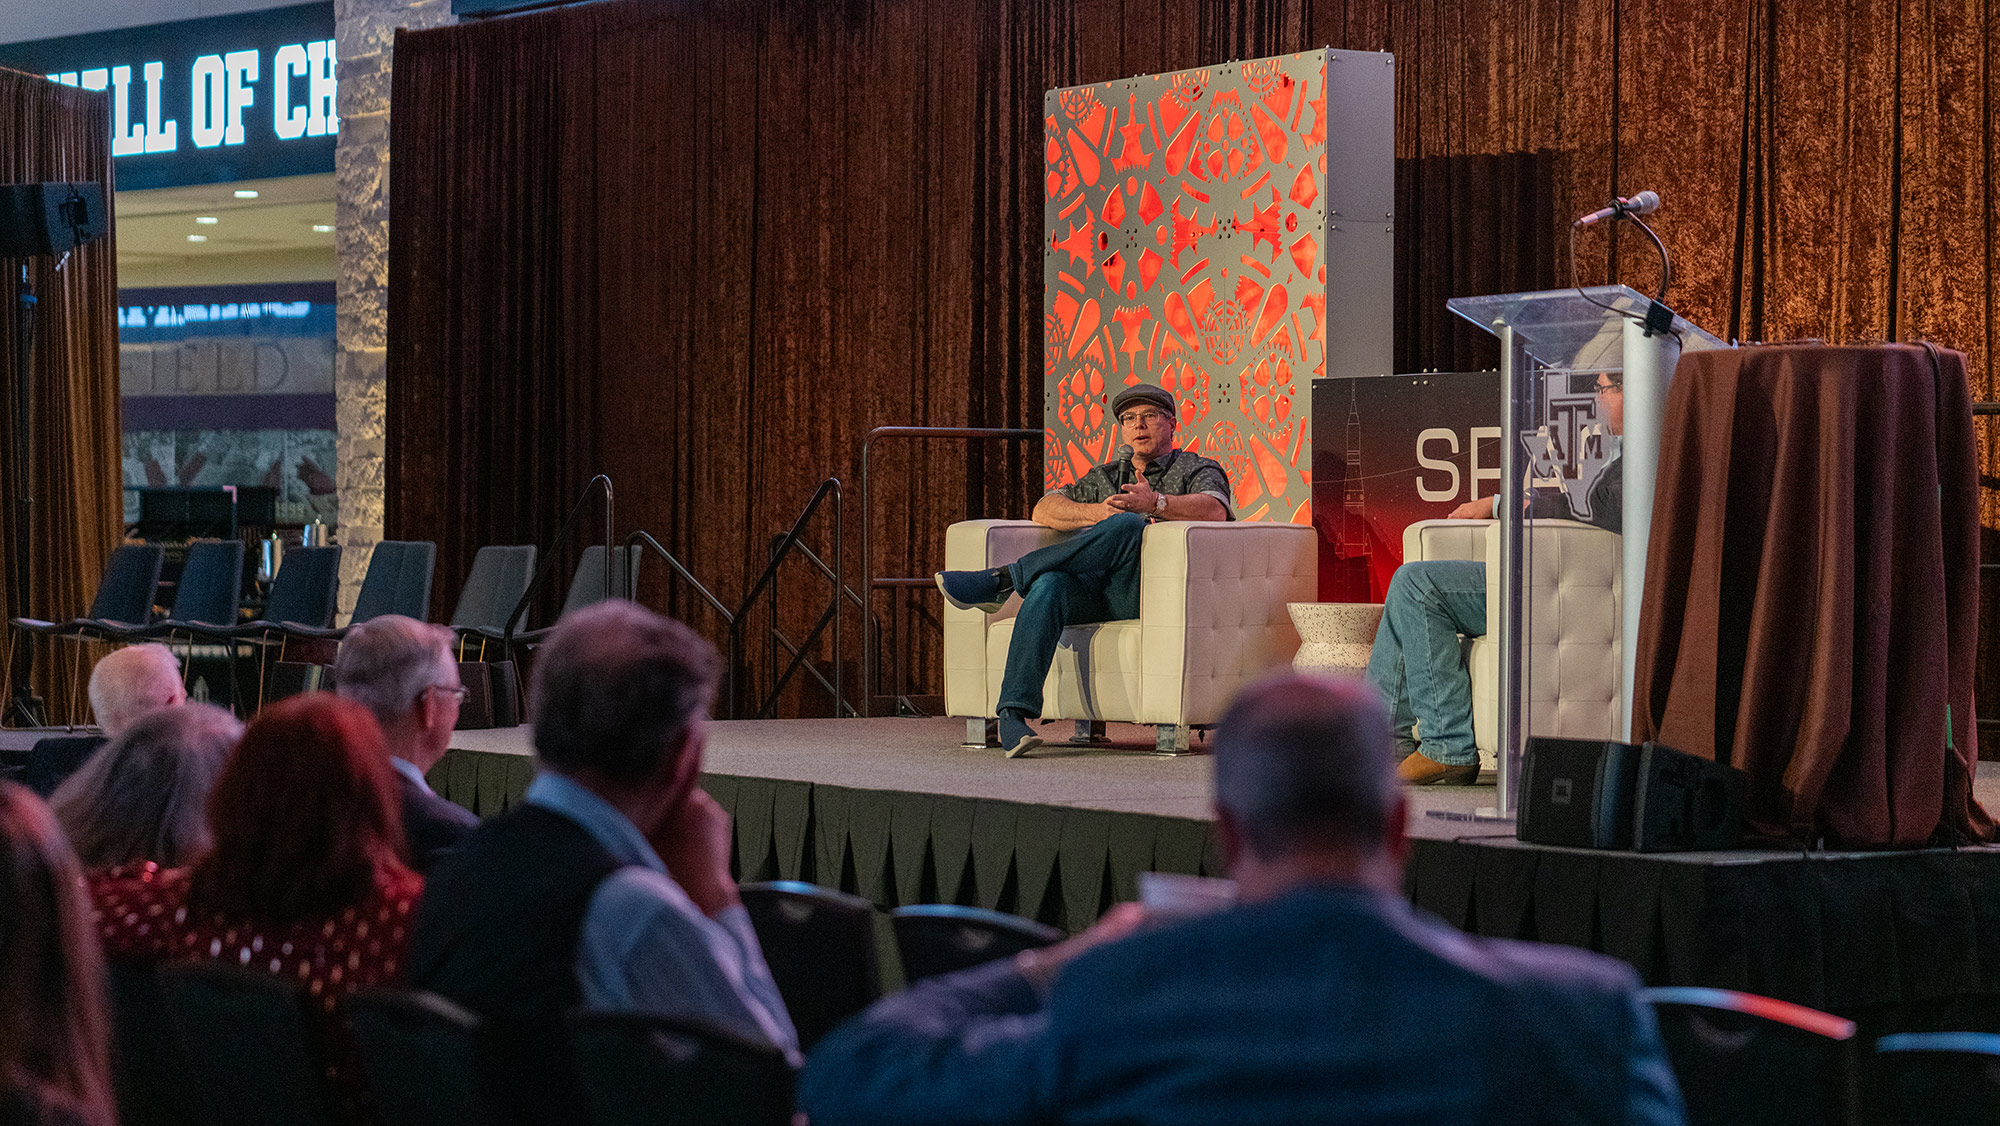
pixel 207 220
pixel 323 228
pixel 246 193
pixel 197 238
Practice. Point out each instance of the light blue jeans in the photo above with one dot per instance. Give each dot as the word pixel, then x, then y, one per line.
pixel 1417 664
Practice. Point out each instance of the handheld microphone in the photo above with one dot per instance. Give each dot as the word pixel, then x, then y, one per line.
pixel 1645 203
pixel 1125 464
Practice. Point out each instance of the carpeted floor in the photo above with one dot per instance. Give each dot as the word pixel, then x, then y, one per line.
pixel 925 756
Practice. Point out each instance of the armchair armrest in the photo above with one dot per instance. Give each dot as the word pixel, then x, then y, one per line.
pixel 973 545
pixel 1447 539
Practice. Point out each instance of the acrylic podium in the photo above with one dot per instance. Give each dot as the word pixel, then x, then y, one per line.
pixel 1550 342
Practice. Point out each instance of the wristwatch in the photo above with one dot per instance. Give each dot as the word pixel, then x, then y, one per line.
pixel 1160 503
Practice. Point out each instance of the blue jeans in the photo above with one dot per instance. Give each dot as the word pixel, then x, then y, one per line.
pixel 1093 576
pixel 1417 664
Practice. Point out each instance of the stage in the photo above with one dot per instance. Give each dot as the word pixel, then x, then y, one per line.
pixel 895 810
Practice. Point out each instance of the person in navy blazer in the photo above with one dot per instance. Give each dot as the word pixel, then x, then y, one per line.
pixel 1322 996
pixel 403 671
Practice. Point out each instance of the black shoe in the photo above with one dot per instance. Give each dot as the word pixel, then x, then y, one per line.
pixel 985 591
pixel 1017 737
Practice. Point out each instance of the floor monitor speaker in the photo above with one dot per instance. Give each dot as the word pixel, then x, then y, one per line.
pixel 1577 793
pixel 1686 804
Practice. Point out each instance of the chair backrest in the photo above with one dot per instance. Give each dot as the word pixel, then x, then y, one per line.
pixel 586 587
pixel 498 578
pixel 398 580
pixel 131 575
pixel 149 1063
pixel 644 1070
pixel 820 945
pixel 942 938
pixel 423 1058
pixel 245 1031
pixel 306 587
pixel 1936 1079
pixel 1757 1061
pixel 211 584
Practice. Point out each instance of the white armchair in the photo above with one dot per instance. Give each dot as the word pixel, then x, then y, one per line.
pixel 1211 617
pixel 1574 624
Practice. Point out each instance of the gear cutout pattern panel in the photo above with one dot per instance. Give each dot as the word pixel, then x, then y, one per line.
pixel 1225 232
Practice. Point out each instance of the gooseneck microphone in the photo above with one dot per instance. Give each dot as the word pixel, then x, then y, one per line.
pixel 1645 203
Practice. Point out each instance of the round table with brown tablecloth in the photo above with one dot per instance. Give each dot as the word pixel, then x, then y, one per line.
pixel 1812 589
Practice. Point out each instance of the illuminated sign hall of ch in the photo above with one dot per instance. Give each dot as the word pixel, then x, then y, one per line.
pixel 204 101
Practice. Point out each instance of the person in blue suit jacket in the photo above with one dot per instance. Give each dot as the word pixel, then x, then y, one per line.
pixel 402 670
pixel 1323 996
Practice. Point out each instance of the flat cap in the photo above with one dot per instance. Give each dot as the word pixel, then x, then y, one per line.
pixel 1144 393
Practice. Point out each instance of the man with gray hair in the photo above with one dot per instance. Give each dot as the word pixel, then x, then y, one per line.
pixel 402 670
pixel 1322 996
pixel 126 685
pixel 609 887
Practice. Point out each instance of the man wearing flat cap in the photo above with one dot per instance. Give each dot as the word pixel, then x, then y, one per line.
pixel 1092 576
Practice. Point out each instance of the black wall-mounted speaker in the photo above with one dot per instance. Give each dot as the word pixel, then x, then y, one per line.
pixel 49 218
pixel 1582 793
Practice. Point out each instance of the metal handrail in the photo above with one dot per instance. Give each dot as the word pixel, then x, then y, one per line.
pixel 542 564
pixel 790 540
pixel 871 583
pixel 645 539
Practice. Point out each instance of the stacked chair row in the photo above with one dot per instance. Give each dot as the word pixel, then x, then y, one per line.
pixel 217 1044
pixel 303 598
pixel 822 949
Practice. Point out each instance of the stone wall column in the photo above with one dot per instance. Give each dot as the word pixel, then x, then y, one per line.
pixel 365 37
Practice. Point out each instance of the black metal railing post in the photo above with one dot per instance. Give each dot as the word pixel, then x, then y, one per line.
pixel 869 582
pixel 599 483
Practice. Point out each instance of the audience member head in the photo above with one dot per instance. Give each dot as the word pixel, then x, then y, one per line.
pixel 132 682
pixel 1305 786
pixel 144 795
pixel 618 697
pixel 305 816
pixel 53 1033
pixel 403 670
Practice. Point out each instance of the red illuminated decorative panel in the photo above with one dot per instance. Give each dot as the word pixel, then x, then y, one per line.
pixel 1187 245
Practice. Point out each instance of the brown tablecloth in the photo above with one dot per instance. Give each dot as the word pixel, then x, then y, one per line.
pixel 1812 589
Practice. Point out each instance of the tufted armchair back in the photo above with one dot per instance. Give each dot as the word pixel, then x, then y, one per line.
pixel 1573 621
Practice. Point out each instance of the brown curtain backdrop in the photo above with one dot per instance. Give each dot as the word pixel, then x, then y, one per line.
pixel 54 132
pixel 705 247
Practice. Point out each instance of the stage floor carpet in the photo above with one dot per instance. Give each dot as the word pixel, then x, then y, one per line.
pixel 925 755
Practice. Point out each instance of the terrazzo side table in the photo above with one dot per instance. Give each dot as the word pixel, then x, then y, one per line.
pixel 1334 637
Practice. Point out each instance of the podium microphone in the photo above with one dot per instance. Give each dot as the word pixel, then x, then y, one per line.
pixel 1645 203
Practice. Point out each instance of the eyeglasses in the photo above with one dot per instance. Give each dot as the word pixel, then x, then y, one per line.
pixel 1608 388
pixel 457 692
pixel 1143 418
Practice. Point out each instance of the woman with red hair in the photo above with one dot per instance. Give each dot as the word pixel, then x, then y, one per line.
pixel 305 879
pixel 54 1045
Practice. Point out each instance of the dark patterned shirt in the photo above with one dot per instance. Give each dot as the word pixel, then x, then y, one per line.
pixel 1180 473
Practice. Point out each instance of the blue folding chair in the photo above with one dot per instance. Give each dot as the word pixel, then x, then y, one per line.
pixel 1936 1079
pixel 1747 1060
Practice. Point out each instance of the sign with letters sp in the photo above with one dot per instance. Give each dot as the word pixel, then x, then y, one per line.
pixel 1388 452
